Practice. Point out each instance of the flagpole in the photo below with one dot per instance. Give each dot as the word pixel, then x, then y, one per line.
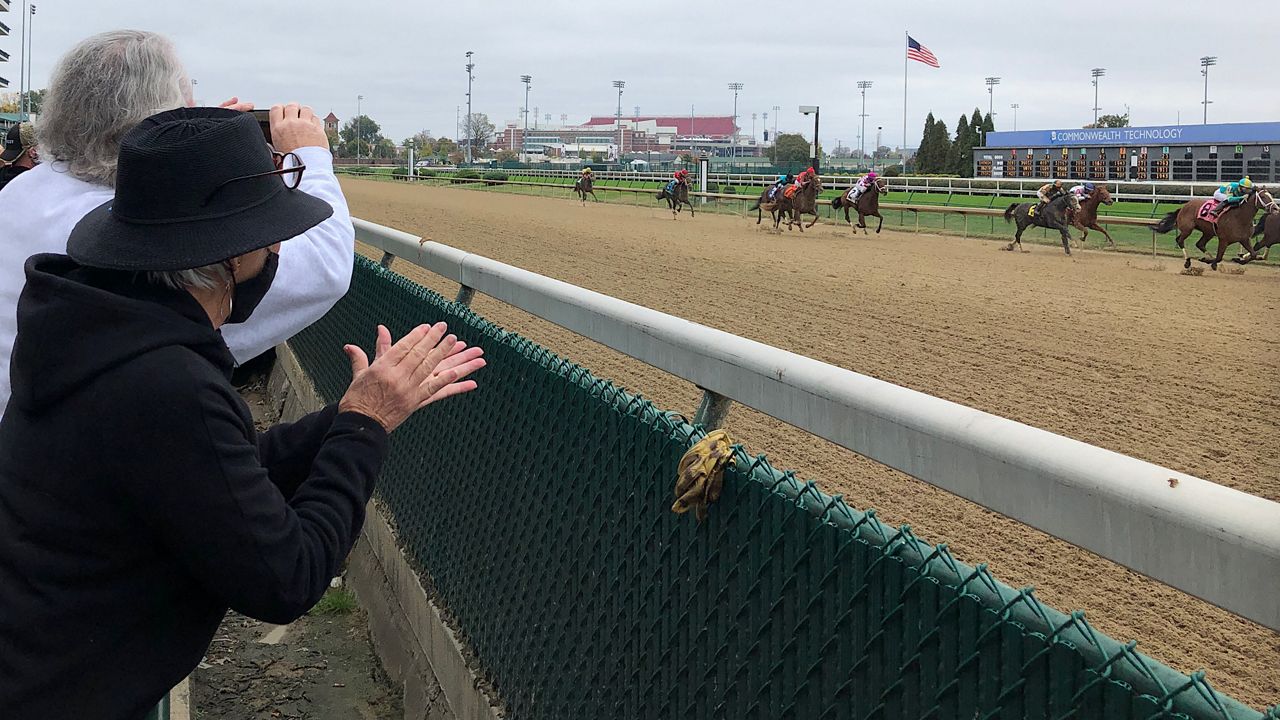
pixel 906 41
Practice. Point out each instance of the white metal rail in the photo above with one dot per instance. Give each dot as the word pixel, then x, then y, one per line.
pixel 1216 543
pixel 1152 191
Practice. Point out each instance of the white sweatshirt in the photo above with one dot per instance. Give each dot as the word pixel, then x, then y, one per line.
pixel 39 208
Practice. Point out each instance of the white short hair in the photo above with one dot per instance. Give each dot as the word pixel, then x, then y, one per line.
pixel 209 277
pixel 100 90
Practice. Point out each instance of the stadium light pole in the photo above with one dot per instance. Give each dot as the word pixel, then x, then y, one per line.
pixel 862 134
pixel 733 143
pixel 359 126
pixel 1015 107
pixel 992 82
pixel 1097 73
pixel 813 110
pixel 753 127
pixel 468 125
pixel 24 70
pixel 620 84
pixel 526 79
pixel 1205 63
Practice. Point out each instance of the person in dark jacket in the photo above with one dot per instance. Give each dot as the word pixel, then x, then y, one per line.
pixel 137 502
pixel 19 153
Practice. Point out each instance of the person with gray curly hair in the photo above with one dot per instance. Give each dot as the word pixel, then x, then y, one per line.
pixel 100 90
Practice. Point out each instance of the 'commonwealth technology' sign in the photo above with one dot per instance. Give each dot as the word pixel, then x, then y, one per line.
pixel 1221 134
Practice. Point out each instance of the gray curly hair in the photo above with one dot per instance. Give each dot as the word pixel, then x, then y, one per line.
pixel 101 89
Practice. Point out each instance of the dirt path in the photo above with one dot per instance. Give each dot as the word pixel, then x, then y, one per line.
pixel 1116 350
pixel 322 668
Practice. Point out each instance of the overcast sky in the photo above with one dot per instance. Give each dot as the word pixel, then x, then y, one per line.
pixel 406 58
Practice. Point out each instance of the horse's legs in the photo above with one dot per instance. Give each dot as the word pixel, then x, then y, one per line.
pixel 1104 232
pixel 1203 243
pixel 1084 236
pixel 1181 240
pixel 815 216
pixel 1222 250
pixel 1066 239
pixel 879 224
pixel 1017 237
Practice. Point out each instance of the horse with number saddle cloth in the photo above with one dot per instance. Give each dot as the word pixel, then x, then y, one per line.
pixel 790 192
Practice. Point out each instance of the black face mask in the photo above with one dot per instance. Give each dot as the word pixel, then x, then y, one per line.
pixel 247 294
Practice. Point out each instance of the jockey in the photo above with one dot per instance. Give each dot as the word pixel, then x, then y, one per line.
pixel 681 176
pixel 1047 193
pixel 803 178
pixel 1083 191
pixel 864 184
pixel 586 172
pixel 1232 194
pixel 778 184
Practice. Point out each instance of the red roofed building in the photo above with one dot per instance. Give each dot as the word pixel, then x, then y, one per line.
pixel 639 134
pixel 330 121
pixel 708 126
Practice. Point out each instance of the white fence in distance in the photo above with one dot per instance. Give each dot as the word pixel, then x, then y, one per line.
pixel 1216 543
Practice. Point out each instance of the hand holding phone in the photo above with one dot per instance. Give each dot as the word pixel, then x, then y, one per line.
pixel 264 122
pixel 293 126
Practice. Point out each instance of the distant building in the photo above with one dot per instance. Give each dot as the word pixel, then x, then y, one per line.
pixel 330 121
pixel 639 135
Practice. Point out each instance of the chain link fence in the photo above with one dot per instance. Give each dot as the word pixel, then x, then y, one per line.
pixel 538 507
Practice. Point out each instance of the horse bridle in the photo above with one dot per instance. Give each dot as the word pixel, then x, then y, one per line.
pixel 1272 206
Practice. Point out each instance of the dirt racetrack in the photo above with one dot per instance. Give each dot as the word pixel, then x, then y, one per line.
pixel 1117 350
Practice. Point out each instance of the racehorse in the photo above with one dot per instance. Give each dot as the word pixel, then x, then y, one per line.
pixel 1234 225
pixel 676 196
pixel 583 186
pixel 1086 218
pixel 868 205
pixel 802 201
pixel 764 202
pixel 1052 216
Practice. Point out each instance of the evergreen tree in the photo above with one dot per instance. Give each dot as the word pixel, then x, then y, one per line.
pixel 962 149
pixel 988 125
pixel 941 148
pixel 925 153
pixel 975 127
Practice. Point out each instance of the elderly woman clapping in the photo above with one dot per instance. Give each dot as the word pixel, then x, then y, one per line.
pixel 137 502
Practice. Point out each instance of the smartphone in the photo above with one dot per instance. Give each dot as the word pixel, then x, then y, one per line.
pixel 264 121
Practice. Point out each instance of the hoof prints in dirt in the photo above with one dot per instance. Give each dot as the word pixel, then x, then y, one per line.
pixel 323 669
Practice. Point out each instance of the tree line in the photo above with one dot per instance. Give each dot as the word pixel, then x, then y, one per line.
pixel 362 136
pixel 940 153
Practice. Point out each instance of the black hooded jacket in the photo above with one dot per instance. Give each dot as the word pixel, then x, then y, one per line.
pixel 137 503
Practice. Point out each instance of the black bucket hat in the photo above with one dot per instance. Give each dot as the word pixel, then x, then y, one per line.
pixel 184 199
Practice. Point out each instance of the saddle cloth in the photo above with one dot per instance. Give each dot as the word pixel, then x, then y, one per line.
pixel 1207 212
pixel 671 187
pixel 773 191
pixel 790 192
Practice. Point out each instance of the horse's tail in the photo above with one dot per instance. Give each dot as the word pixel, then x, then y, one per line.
pixel 836 202
pixel 662 194
pixel 1262 223
pixel 754 207
pixel 1168 223
pixel 1008 212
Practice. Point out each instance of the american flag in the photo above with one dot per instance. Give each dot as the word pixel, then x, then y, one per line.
pixel 920 53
